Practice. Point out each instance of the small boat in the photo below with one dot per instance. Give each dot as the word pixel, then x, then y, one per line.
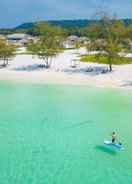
pixel 114 145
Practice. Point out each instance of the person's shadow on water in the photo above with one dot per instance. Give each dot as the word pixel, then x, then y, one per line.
pixel 105 149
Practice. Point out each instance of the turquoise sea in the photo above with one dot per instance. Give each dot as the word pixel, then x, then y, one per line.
pixel 51 134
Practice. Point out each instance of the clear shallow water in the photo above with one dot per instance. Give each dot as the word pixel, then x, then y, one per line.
pixel 55 134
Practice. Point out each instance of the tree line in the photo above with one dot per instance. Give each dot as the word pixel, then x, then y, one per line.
pixel 108 36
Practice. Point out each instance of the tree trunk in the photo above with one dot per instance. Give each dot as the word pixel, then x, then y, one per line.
pixel 7 62
pixel 47 62
pixel 4 62
pixel 110 64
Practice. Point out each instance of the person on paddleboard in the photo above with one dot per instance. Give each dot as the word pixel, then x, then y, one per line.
pixel 114 137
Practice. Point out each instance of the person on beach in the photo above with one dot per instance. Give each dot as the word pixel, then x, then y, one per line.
pixel 113 137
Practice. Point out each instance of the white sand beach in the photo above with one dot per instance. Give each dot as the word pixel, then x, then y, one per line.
pixel 24 68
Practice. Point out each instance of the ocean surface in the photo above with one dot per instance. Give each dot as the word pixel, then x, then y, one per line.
pixel 55 134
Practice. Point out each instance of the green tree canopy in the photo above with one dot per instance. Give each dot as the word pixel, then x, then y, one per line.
pixel 7 51
pixel 107 37
pixel 48 43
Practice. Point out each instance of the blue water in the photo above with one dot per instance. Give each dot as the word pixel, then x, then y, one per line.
pixel 54 135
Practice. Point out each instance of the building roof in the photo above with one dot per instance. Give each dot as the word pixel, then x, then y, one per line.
pixel 83 38
pixel 73 37
pixel 17 36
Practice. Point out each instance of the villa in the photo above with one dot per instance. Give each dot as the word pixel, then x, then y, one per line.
pixel 73 38
pixel 70 42
pixel 68 45
pixel 83 40
pixel 19 39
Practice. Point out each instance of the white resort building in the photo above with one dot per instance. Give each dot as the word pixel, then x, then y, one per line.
pixel 70 42
pixel 19 39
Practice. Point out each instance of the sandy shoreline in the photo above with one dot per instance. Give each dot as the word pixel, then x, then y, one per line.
pixel 22 69
pixel 51 77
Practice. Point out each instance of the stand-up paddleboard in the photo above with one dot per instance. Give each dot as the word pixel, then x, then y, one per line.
pixel 114 145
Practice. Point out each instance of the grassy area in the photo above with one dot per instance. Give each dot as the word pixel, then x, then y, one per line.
pixel 103 59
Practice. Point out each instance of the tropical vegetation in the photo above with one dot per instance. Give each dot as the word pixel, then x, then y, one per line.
pixel 7 52
pixel 48 44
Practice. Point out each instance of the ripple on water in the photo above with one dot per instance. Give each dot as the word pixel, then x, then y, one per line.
pixel 55 134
